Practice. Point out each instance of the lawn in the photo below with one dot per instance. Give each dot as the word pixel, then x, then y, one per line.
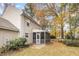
pixel 52 49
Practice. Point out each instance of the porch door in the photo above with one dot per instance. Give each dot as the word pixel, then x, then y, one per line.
pixel 37 38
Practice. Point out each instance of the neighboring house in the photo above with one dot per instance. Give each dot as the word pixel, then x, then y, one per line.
pixel 7 31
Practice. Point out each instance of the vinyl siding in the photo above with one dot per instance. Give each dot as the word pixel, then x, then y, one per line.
pixel 28 29
pixel 6 35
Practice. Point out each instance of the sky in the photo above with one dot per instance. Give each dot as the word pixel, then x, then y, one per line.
pixel 1 8
pixel 18 5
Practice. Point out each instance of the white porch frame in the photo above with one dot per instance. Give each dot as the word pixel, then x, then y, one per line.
pixel 38 40
pixel 38 32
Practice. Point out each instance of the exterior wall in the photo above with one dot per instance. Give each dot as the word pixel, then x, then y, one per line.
pixel 29 29
pixel 6 35
pixel 13 15
pixel 33 27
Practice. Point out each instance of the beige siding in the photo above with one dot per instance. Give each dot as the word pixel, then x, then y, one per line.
pixel 13 15
pixel 33 27
pixel 28 29
pixel 6 35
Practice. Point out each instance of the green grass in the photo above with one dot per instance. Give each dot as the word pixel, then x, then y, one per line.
pixel 53 49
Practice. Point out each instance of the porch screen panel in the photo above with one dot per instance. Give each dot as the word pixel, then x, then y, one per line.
pixel 47 37
pixel 34 37
pixel 42 37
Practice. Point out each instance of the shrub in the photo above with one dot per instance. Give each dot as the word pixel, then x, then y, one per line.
pixel 52 37
pixel 71 42
pixel 21 42
pixel 68 36
pixel 14 44
pixel 67 41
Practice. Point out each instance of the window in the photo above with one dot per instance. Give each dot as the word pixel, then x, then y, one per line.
pixel 26 34
pixel 27 23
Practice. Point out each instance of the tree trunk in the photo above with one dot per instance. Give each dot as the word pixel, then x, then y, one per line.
pixel 55 32
pixel 62 32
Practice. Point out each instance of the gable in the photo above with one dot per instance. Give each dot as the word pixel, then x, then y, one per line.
pixel 13 15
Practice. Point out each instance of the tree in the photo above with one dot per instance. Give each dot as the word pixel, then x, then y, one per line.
pixel 40 15
pixel 59 13
pixel 29 9
pixel 37 13
pixel 73 18
pixel 63 9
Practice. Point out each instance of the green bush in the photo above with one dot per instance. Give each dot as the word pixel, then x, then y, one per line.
pixel 52 37
pixel 14 44
pixel 71 42
pixel 68 36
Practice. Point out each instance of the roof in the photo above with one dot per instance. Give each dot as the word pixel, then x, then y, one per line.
pixel 5 24
pixel 30 18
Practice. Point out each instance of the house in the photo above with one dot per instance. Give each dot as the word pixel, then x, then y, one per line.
pixel 7 31
pixel 25 24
